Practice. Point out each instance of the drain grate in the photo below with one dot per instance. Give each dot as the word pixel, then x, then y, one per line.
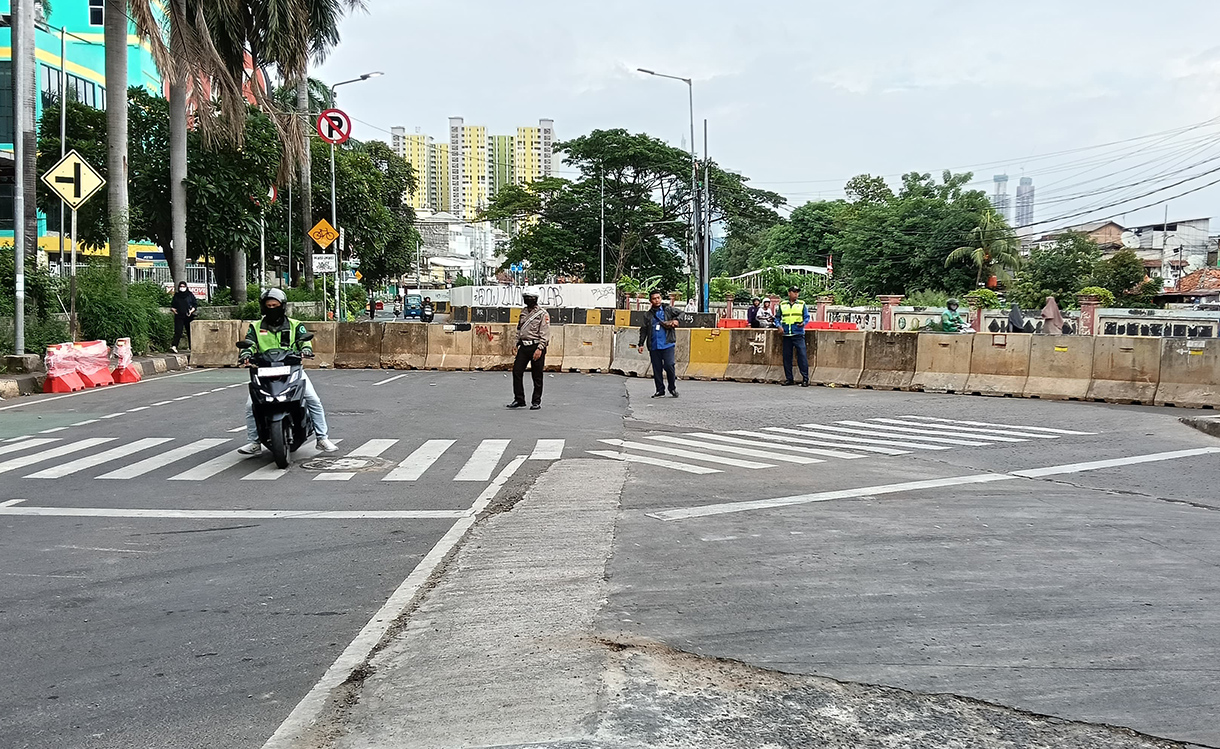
pixel 347 465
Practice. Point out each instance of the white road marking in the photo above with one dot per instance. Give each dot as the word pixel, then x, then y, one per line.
pixel 690 454
pixel 217 390
pixel 211 468
pixel 75 466
pixel 271 472
pixel 53 430
pixel 111 416
pixel 629 458
pixel 236 385
pixel 183 397
pixel 372 448
pixel 547 450
pixel 841 438
pixel 735 450
pixel 11 502
pixel 1034 473
pixel 241 428
pixel 16 439
pixel 89 391
pixel 483 461
pixel 27 444
pixel 55 452
pixel 336 476
pixel 137 408
pixel 82 423
pixel 934 431
pixel 1001 426
pixel 395 377
pixel 969 431
pixel 776 446
pixel 825 441
pixel 880 430
pixel 305 714
pixel 159 461
pixel 162 403
pixel 869 491
pixel 103 548
pixel 118 512
pixel 419 461
pixel 205 392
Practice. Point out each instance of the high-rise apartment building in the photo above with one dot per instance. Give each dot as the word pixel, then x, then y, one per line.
pixel 414 148
pixel 1001 201
pixel 438 177
pixel 533 151
pixel 1025 202
pixel 501 164
pixel 469 181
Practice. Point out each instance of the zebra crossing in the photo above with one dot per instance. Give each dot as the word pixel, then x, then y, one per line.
pixel 703 453
pixel 217 458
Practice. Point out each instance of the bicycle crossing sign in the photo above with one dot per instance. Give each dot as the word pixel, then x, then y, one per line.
pixel 323 233
pixel 334 126
pixel 73 180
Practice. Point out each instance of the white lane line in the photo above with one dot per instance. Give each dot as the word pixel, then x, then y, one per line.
pixel 372 448
pixel 235 385
pixel 238 429
pixel 291 732
pixel 800 499
pixel 271 472
pixel 419 461
pixel 88 391
pixel 1034 473
pixel 337 476
pixel 217 390
pixel 182 398
pixel 76 466
pixel 137 408
pixel 53 453
pixel 211 468
pixel 777 446
pixel 162 403
pixel 689 454
pixel 841 438
pixel 115 415
pixel 395 377
pixel 1001 426
pixel 16 439
pixel 53 430
pixel 969 431
pixel 629 458
pixel 159 461
pixel 83 423
pixel 736 450
pixel 205 392
pixel 483 461
pixel 828 442
pixel 11 502
pixel 863 427
pixel 547 450
pixel 116 512
pixel 27 444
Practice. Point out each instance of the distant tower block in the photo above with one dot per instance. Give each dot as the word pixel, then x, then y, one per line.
pixel 1025 202
pixel 1001 201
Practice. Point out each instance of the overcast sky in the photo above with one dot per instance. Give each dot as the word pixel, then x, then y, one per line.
pixel 802 95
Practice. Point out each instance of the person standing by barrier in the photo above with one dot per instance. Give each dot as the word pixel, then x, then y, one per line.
pixel 184 306
pixel 752 313
pixel 1052 318
pixel 533 336
pixel 658 333
pixel 793 316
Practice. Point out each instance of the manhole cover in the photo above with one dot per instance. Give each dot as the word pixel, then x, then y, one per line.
pixel 345 464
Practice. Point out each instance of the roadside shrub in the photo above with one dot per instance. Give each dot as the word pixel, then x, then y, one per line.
pixel 988 298
pixel 926 298
pixel 150 292
pixel 1107 296
pixel 248 311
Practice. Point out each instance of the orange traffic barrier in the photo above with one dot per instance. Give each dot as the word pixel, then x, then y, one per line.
pixel 125 372
pixel 61 370
pixel 93 363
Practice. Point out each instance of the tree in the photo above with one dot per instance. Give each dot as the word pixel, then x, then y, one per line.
pixel 115 35
pixel 865 188
pixel 1123 275
pixel 993 248
pixel 806 238
pixel 86 131
pixel 1059 271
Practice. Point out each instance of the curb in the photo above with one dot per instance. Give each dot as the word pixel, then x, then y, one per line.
pixel 30 383
pixel 1206 424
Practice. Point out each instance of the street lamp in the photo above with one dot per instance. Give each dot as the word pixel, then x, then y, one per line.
pixel 694 233
pixel 334 220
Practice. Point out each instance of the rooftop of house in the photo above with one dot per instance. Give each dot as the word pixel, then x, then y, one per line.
pixel 1205 279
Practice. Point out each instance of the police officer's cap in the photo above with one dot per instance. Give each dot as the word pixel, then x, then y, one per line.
pixel 794 288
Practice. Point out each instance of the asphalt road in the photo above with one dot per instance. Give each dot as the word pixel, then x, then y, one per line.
pixel 149 629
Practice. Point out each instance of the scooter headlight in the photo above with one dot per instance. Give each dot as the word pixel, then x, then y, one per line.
pixel 281 398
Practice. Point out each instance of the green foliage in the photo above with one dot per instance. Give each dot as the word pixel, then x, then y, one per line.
pixel 1123 275
pixel 86 131
pixel 993 248
pixel 248 311
pixel 42 290
pixel 1059 271
pixel 150 292
pixel 629 285
pixel 926 298
pixel 719 288
pixel 105 314
pixel 987 298
pixel 1107 296
pixel 460 280
pixel 806 238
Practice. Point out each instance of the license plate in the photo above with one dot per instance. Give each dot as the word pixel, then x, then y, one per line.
pixel 274 371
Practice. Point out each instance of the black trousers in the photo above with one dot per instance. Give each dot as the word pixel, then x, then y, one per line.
pixel 182 325
pixel 663 364
pixel 525 358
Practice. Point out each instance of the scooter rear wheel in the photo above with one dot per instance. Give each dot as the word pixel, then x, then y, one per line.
pixel 281 437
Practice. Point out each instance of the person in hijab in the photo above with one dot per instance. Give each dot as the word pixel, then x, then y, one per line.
pixel 1016 321
pixel 1052 318
pixel 184 306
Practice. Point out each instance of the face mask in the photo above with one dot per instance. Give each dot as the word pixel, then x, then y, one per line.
pixel 275 314
pixel 181 288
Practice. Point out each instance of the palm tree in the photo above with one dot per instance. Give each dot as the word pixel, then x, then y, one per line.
pixel 115 36
pixel 993 248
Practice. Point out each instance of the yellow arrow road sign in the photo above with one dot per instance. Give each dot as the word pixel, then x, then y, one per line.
pixel 323 233
pixel 73 180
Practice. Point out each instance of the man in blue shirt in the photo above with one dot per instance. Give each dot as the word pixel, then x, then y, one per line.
pixel 658 332
pixel 792 318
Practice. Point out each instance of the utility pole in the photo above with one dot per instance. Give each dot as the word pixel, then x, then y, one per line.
pixel 603 229
pixel 290 234
pixel 63 128
pixel 22 55
pixel 707 219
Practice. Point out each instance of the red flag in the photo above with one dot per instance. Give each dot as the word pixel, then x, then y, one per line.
pixel 830 266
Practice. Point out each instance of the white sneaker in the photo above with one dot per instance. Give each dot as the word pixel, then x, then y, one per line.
pixel 326 446
pixel 173 349
pixel 254 448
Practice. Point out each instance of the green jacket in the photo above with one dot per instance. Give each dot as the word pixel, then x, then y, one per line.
pixel 266 337
pixel 952 322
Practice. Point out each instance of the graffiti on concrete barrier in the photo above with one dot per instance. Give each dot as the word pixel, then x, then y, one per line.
pixel 510 296
pixel 759 344
pixel 483 331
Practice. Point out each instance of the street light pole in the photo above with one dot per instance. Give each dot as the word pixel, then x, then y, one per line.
pixel 334 221
pixel 603 228
pixel 694 190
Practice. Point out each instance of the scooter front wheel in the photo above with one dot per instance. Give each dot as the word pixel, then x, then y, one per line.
pixel 281 437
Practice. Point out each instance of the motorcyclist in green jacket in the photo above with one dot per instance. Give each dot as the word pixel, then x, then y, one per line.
pixel 952 321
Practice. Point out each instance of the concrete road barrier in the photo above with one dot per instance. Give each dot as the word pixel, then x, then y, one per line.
pixel 323 345
pixel 942 362
pixel 448 347
pixel 626 359
pixel 1060 367
pixel 587 348
pixel 622 318
pixel 214 342
pixel 404 345
pixel 1125 369
pixel 709 354
pixel 839 357
pixel 494 346
pixel 754 356
pixel 999 364
pixel 358 345
pixel 1190 373
pixel 889 360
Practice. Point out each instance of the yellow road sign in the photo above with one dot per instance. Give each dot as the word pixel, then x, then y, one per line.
pixel 323 233
pixel 73 180
pixel 358 276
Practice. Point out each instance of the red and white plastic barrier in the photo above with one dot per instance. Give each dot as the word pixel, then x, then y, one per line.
pixel 93 363
pixel 125 372
pixel 61 370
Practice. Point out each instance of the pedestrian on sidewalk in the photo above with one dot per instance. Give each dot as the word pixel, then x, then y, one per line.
pixel 793 316
pixel 659 333
pixel 184 306
pixel 752 313
pixel 1016 321
pixel 1052 318
pixel 533 336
